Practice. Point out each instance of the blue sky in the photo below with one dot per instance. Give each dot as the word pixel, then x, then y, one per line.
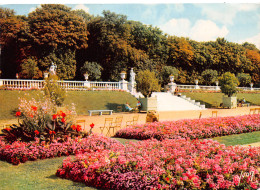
pixel 236 22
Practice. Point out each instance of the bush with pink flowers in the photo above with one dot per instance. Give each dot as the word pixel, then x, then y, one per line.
pixel 19 152
pixel 168 164
pixel 192 128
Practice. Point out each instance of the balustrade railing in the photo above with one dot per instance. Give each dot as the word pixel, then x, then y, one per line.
pixel 68 85
pixel 91 85
pixel 104 85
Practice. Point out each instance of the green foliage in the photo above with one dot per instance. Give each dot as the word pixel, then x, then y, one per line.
pixel 244 79
pixel 209 76
pixel 93 69
pixel 228 83
pixel 53 91
pixel 147 83
pixel 166 72
pixel 30 69
pixel 65 61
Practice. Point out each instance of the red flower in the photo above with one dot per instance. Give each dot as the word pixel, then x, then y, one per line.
pixel 31 115
pixel 92 125
pixel 63 114
pixel 74 127
pixel 54 116
pixel 63 120
pixel 36 132
pixel 18 114
pixel 52 132
pixel 79 128
pixel 8 129
pixel 34 108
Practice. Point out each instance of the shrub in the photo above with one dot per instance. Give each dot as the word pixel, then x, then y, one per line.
pixel 30 69
pixel 228 84
pixel 93 69
pixel 147 83
pixel 53 91
pixel 166 72
pixel 244 79
pixel 209 76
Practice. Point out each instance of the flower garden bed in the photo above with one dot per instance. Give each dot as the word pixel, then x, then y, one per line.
pixel 20 152
pixel 168 164
pixel 193 128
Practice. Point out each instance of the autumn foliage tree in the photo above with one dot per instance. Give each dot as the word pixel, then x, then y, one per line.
pixel 56 32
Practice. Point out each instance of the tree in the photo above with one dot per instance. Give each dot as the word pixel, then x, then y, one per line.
pixel 93 69
pixel 56 32
pixel 166 72
pixel 29 69
pixel 209 76
pixel 228 83
pixel 244 79
pixel 147 83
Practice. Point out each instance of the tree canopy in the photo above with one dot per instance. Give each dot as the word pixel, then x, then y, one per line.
pixel 55 33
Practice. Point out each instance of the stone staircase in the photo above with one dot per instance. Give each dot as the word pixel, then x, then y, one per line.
pixel 168 102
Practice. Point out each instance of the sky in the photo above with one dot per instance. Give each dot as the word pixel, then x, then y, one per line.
pixel 236 22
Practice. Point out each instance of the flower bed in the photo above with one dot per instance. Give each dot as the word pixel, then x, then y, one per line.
pixel 167 164
pixel 193 128
pixel 20 152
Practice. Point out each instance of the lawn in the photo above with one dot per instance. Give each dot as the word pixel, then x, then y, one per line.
pixel 239 139
pixel 213 99
pixel 83 100
pixel 35 175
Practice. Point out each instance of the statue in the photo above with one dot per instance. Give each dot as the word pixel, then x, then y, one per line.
pixel 132 76
pixel 53 68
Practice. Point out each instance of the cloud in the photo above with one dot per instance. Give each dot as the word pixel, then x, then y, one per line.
pixel 177 27
pixel 34 8
pixel 202 30
pixel 253 40
pixel 225 13
pixel 81 6
pixel 206 30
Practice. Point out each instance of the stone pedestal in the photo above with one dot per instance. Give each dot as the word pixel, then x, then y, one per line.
pixel 149 103
pixel 123 85
pixel 87 84
pixel 172 87
pixel 230 102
